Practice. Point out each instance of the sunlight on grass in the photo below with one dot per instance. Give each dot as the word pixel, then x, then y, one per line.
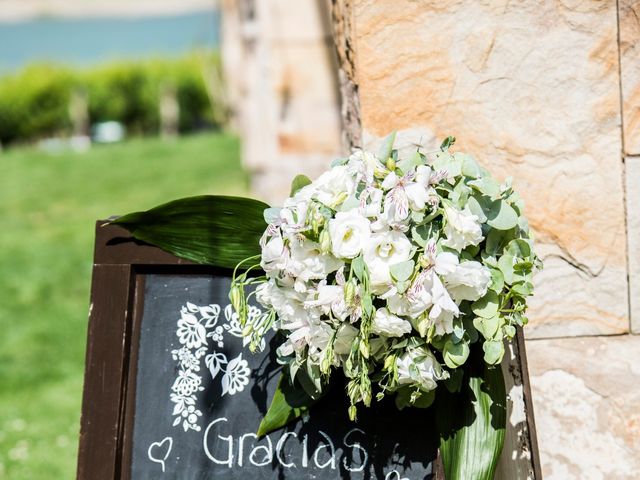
pixel 48 206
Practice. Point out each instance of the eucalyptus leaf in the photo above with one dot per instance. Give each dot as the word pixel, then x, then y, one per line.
pixel 476 209
pixel 519 247
pixel 447 143
pixel 488 327
pixel 411 162
pixel 497 280
pixel 472 423
pixel 470 167
pixel 386 147
pixel 493 351
pixel 271 214
pixel 500 215
pixel 486 185
pixel 298 183
pixel 446 161
pixel 487 306
pixel 209 229
pixel 288 404
pixel 505 264
pixel 455 354
pixel 402 271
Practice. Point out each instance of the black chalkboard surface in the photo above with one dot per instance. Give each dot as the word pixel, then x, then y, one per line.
pixel 171 392
pixel 200 396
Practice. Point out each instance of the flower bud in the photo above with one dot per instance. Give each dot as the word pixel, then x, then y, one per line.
pixel 350 291
pixel 391 164
pixel 325 241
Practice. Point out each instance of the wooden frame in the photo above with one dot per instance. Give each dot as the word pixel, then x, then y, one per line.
pixel 120 263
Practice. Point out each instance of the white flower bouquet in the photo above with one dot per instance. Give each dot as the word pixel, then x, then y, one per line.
pixel 403 274
pixel 390 268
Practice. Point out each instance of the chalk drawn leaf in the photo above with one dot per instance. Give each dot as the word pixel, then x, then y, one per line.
pixel 236 376
pixel 192 307
pixel 214 362
pixel 210 313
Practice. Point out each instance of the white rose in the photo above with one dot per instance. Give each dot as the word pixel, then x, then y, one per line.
pixel 349 232
pixel 383 250
pixel 462 228
pixel 334 186
pixel 468 281
pixel 389 325
pixel 427 372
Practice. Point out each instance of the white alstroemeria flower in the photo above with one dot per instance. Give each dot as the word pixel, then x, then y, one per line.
pixel 307 262
pixel 334 186
pixel 364 166
pixel 288 303
pixel 468 281
pixel 444 308
pixel 427 369
pixel 389 325
pixel 404 195
pixel 309 332
pixel 345 336
pixel 371 202
pixel 383 250
pixel 461 229
pixel 330 299
pixel 350 233
pixel 274 254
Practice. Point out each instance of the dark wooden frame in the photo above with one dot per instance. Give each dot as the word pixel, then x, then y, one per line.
pixel 117 290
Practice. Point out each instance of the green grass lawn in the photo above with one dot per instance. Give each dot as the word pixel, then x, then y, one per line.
pixel 48 206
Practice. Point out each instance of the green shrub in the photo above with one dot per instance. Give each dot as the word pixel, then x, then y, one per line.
pixel 34 103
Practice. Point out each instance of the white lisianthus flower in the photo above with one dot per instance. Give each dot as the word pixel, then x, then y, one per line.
pixel 462 228
pixel 389 325
pixel 427 369
pixel 334 186
pixel 308 262
pixel 371 202
pixel 468 281
pixel 345 336
pixel 364 165
pixel 383 250
pixel 350 233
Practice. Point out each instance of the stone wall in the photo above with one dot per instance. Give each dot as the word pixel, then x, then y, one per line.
pixel 546 92
pixel 280 66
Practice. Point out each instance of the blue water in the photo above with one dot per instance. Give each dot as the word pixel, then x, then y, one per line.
pixel 93 40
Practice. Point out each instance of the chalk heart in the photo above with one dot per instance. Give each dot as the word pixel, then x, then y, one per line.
pixel 159 451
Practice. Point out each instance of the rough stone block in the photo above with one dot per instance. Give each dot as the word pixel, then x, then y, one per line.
pixel 633 235
pixel 630 73
pixel 532 90
pixel 587 406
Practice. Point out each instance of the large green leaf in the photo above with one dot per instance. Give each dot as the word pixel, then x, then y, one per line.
pixel 289 403
pixel 215 230
pixel 472 423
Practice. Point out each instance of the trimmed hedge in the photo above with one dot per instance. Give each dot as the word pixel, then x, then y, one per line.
pixel 34 103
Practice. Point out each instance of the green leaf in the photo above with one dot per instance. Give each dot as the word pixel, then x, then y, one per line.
pixel 470 167
pixel 411 162
pixel 505 264
pixel 472 424
pixel 215 230
pixel 447 142
pixel 476 209
pixel 455 354
pixel 519 248
pixel 402 271
pixel 488 327
pixel 487 186
pixel 288 404
pixel 386 147
pixel 446 161
pixel 270 215
pixel 500 215
pixel 487 306
pixel 493 351
pixel 299 182
pixel 497 280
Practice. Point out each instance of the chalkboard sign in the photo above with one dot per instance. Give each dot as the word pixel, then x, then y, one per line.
pixel 171 391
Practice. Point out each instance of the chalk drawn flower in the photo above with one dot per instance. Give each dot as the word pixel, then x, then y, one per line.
pixel 187 383
pixel 190 331
pixel 236 376
pixel 217 336
pixel 188 360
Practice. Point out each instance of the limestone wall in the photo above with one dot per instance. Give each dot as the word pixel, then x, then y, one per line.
pixel 547 92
